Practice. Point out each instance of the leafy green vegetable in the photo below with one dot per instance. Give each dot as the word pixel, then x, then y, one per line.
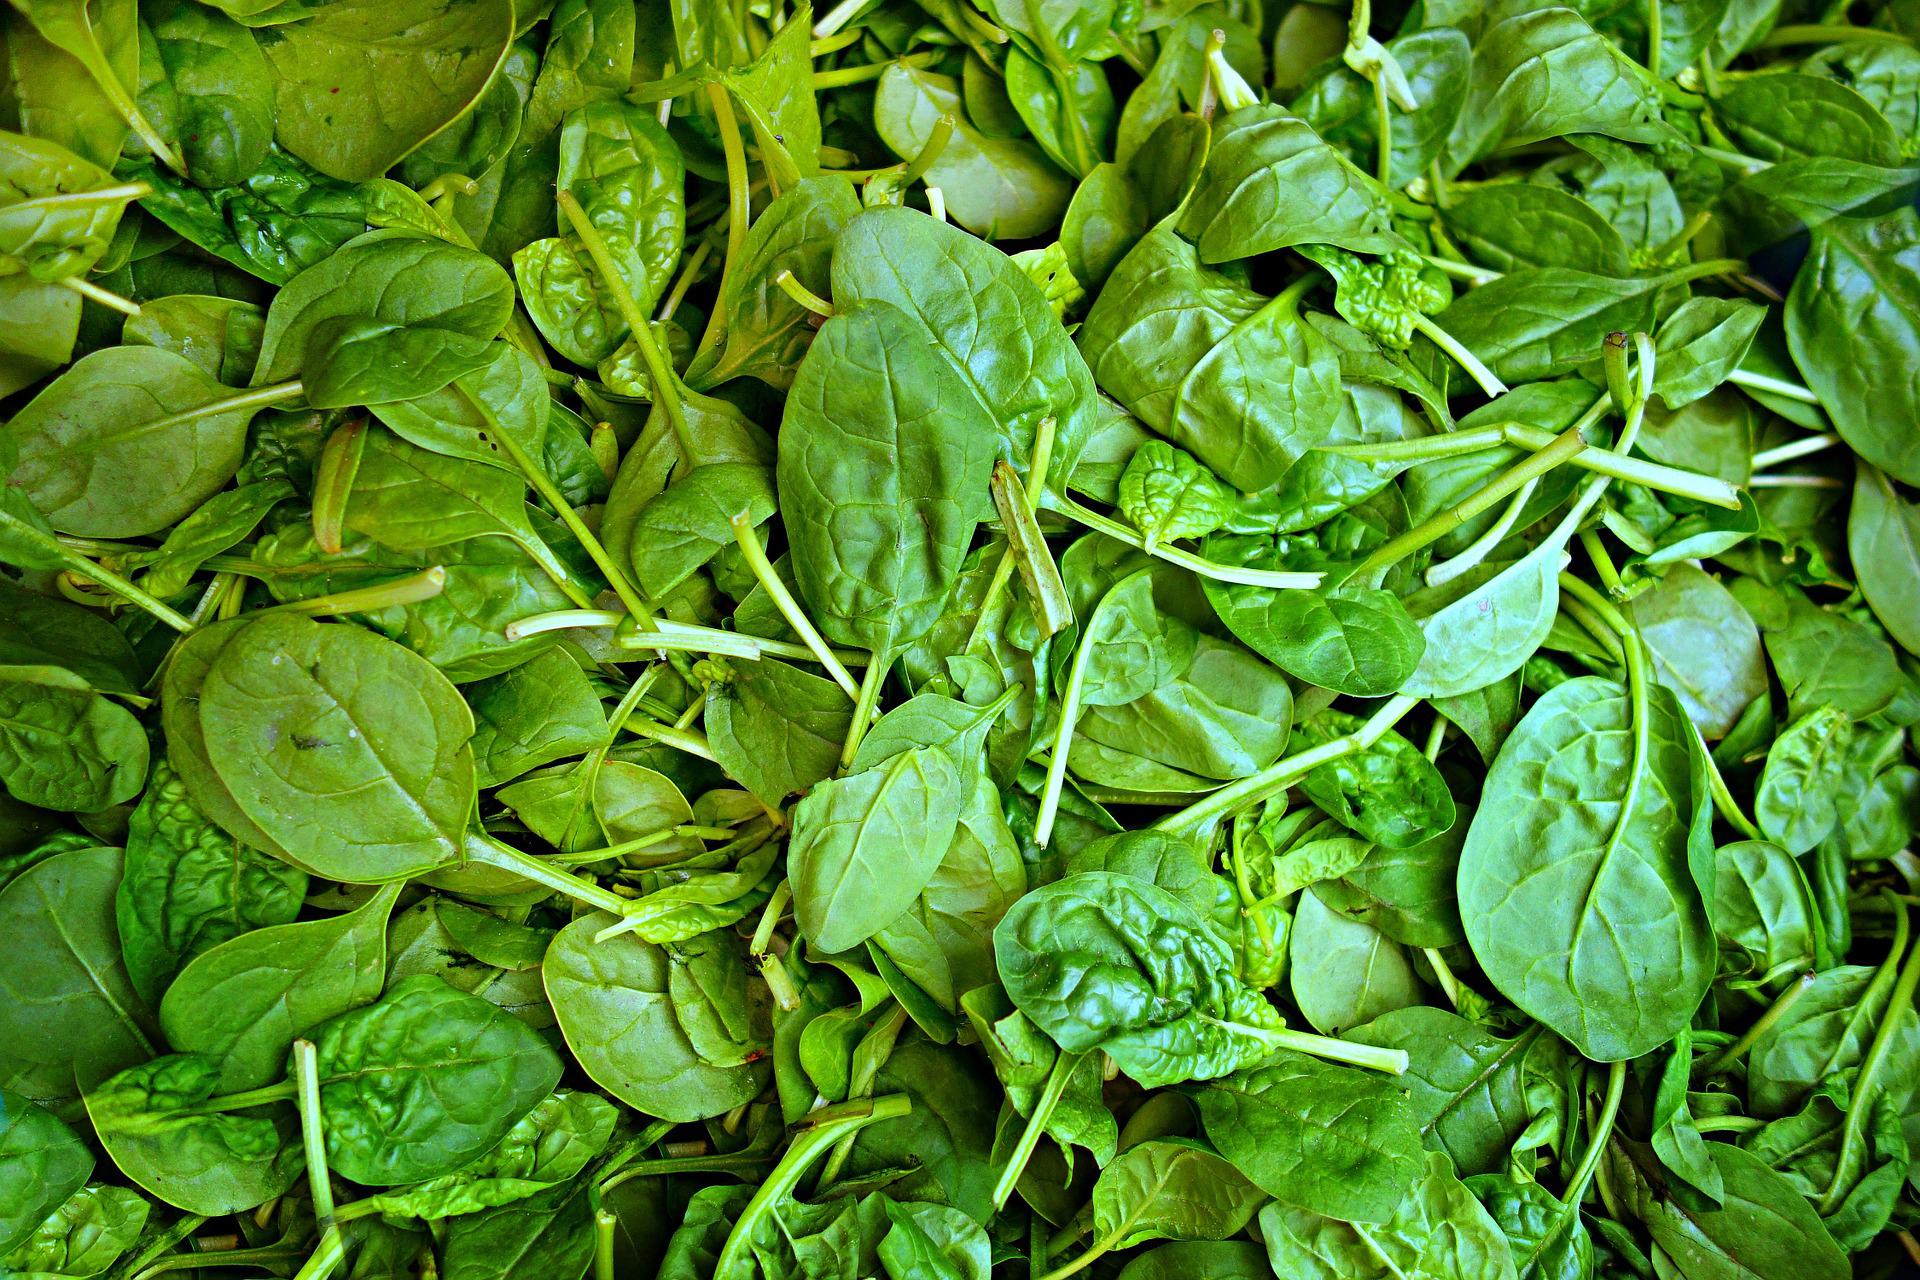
pixel 959 639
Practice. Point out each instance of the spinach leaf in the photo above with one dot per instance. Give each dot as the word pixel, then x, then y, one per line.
pixel 1619 909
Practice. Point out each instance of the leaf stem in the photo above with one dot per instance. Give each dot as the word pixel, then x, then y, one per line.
pixel 837 17
pixel 840 77
pixel 865 699
pixel 1827 33
pixel 105 297
pixel 1391 1061
pixel 412 589
pixel 604 1222
pixel 1795 449
pixel 801 294
pixel 1445 571
pixel 1615 464
pixel 1232 88
pixel 489 852
pixel 1054 500
pixel 823 1129
pixel 543 485
pixel 660 373
pixel 1389 553
pixel 1445 444
pixel 81 567
pixel 1860 1108
pixel 1488 380
pixel 1763 1024
pixel 1597 1142
pixel 756 557
pixel 1052 609
pixel 1064 1065
pixel 1069 713
pixel 685 740
pixel 331 1253
pixel 929 153
pixel 1773 386
pixel 313 1134
pixel 1723 802
pixel 1200 818
pixel 738 211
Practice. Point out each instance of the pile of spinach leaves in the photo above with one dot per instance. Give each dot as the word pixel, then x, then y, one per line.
pixel 959 639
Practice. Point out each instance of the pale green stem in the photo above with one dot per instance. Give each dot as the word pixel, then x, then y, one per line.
pixel 536 476
pixel 604 1222
pixel 81 567
pixel 1859 1110
pixel 1064 1065
pixel 1615 464
pixel 665 382
pixel 686 740
pixel 412 589
pixel 1450 444
pixel 1773 386
pixel 313 1133
pixel 639 844
pixel 105 297
pixel 1389 553
pixel 1444 571
pixel 1201 817
pixel 331 1253
pixel 1602 1132
pixel 1797 449
pixel 1069 713
pixel 1828 33
pixel 837 17
pixel 1443 972
pixel 804 296
pixel 763 570
pixel 866 698
pixel 739 214
pixel 1390 1061
pixel 1763 1024
pixel 1462 270
pixel 1723 802
pixel 1485 377
pixel 1233 90
pixel 824 1129
pixel 1052 609
pixel 1278 579
pixel 840 77
pixel 834 42
pixel 487 851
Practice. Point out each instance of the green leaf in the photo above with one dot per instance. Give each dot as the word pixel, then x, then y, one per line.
pixel 1000 188
pixel 1166 1010
pixel 778 729
pixel 613 1005
pixel 1325 1139
pixel 864 846
pixel 415 65
pixel 69 1006
pixel 128 441
pixel 882 478
pixel 242 1003
pixel 149 1119
pixel 1271 183
pixel 459 1069
pixel 46 1163
pixel 1437 1229
pixel 1862 280
pixel 350 752
pixel 1614 896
